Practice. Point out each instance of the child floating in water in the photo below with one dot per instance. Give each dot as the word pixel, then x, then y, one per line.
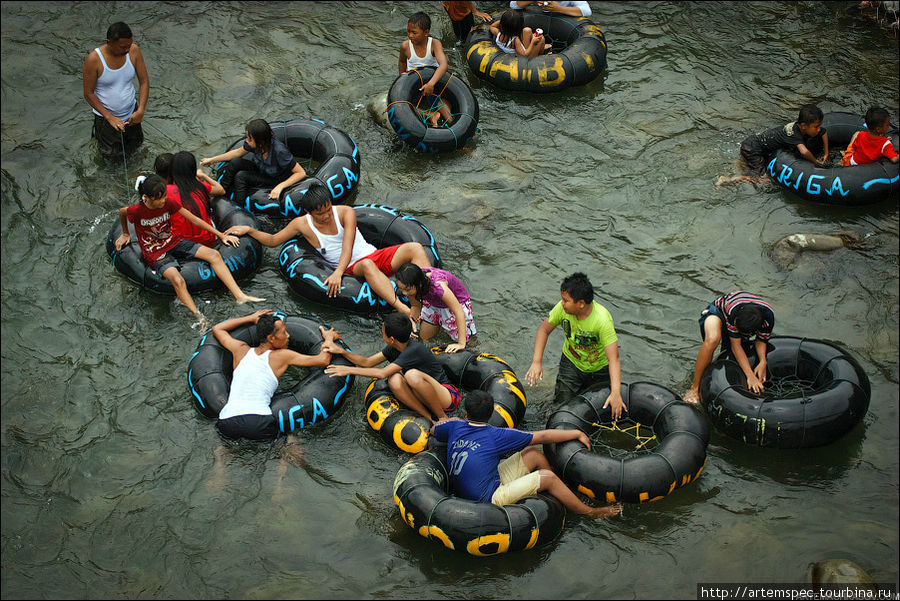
pixel 805 137
pixel 869 146
pixel 421 50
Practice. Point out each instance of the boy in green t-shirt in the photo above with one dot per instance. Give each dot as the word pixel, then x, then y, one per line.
pixel 591 350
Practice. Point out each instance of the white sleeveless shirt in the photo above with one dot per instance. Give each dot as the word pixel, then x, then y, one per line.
pixel 333 244
pixel 252 387
pixel 415 60
pixel 115 89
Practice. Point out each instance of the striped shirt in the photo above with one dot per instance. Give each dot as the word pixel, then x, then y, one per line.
pixel 727 304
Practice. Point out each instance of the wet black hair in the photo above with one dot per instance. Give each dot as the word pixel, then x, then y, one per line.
pixel 579 287
pixel 265 325
pixel 410 274
pixel 809 113
pixel 153 186
pixel 184 175
pixel 511 24
pixel 420 20
pixel 876 116
pixel 747 319
pixel 118 31
pixel 316 196
pixel 479 406
pixel 397 326
pixel 163 165
pixel 261 132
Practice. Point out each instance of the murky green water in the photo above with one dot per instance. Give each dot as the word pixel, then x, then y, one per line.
pixel 109 487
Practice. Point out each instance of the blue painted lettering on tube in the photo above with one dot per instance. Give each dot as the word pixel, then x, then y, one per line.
pixel 771 167
pixel 797 182
pixel 289 207
pixel 785 175
pixel 812 188
pixel 351 177
pixel 837 186
pixel 292 420
pixel 191 384
pixel 291 270
pixel 204 270
pixel 337 189
pixel 881 180
pixel 318 409
pixel 308 276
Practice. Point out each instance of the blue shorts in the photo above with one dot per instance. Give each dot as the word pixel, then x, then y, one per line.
pixel 183 251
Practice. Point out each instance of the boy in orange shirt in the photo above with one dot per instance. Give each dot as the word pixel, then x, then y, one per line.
pixel 868 146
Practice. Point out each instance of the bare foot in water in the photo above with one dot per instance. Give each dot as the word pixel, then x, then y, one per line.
pixel 692 397
pixel 201 324
pixel 249 299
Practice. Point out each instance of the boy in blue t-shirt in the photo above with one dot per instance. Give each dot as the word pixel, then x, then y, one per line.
pixel 477 473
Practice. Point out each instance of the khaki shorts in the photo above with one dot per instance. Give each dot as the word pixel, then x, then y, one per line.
pixel 516 482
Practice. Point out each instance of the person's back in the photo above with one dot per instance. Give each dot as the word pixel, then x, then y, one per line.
pixel 473 454
pixel 252 385
pixel 193 195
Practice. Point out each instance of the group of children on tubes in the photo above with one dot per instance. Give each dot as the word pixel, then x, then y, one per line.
pixel 509 33
pixel 172 224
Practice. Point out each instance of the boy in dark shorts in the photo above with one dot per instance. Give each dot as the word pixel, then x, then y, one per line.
pixel 805 137
pixel 734 317
pixel 415 377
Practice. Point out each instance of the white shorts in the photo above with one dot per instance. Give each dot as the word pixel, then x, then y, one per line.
pixel 444 317
pixel 516 482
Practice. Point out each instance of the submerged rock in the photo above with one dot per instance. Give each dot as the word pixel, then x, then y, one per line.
pixel 839 571
pixel 786 250
pixel 377 107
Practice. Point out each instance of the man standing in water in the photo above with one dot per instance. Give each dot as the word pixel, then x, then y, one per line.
pixel 107 74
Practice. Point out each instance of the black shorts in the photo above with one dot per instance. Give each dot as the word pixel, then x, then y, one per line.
pixel 183 251
pixel 112 142
pixel 254 427
pixel 756 162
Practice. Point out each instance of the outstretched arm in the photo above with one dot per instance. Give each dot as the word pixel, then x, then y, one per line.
pixel 292 229
pixel 216 188
pixel 545 436
pixel 228 239
pixel 380 373
pixel 536 371
pixel 234 153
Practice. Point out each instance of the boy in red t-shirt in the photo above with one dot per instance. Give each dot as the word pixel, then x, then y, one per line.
pixel 868 146
pixel 162 250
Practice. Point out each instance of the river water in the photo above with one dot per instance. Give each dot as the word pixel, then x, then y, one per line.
pixel 110 483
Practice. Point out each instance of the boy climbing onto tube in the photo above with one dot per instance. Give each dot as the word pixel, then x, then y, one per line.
pixel 332 231
pixel 590 354
pixel 421 50
pixel 162 250
pixel 414 375
pixel 804 137
pixel 734 316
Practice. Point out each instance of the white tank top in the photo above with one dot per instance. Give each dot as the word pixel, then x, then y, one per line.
pixel 509 47
pixel 252 387
pixel 114 88
pixel 332 245
pixel 415 61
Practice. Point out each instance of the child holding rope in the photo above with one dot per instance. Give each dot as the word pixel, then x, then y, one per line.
pixel 421 50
